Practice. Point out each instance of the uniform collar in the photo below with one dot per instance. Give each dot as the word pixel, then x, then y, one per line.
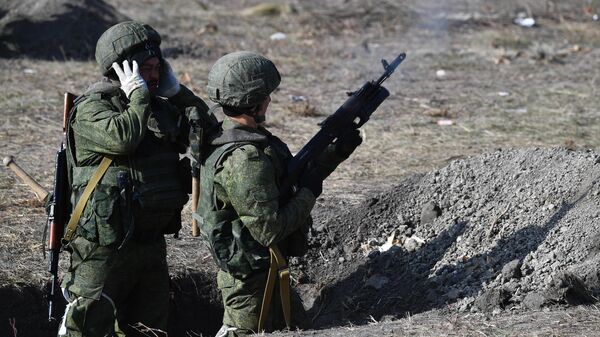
pixel 233 131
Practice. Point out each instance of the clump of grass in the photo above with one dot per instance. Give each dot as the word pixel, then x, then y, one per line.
pixel 304 109
pixel 511 42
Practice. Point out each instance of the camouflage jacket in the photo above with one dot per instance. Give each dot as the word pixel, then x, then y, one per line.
pixel 144 135
pixel 240 208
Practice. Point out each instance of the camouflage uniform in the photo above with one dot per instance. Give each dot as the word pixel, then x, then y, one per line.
pixel 240 209
pixel 118 274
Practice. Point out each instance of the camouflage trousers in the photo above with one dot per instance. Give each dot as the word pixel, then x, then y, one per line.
pixel 116 292
pixel 242 300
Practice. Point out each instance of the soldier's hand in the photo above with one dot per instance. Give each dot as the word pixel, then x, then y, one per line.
pixel 347 143
pixel 129 77
pixel 312 180
pixel 168 85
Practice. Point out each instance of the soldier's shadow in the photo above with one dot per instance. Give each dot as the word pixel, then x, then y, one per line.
pixel 410 287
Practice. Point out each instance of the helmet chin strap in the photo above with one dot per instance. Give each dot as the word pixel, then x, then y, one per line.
pixel 258 119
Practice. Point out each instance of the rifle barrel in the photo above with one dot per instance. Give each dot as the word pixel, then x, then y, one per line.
pixel 389 68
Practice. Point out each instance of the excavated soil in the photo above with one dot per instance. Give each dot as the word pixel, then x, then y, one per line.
pixel 512 229
pixel 54 29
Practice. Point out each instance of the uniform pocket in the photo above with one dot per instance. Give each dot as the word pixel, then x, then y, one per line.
pixel 225 281
pixel 90 264
pixel 100 221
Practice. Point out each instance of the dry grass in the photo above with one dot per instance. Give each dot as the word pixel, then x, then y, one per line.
pixel 577 321
pixel 331 49
pixel 547 103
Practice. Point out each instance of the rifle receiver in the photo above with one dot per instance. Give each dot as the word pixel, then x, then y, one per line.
pixel 389 68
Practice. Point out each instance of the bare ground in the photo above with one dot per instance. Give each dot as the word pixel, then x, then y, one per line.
pixel 504 86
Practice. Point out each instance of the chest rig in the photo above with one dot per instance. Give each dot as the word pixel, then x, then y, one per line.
pixel 139 196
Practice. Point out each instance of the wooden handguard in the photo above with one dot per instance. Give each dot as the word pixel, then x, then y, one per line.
pixel 39 191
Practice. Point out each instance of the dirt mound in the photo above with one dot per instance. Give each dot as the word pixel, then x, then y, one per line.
pixel 513 229
pixel 54 29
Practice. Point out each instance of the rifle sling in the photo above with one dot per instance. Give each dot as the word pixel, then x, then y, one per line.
pixel 85 196
pixel 279 267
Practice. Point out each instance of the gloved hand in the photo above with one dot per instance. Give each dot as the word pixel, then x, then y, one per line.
pixel 313 181
pixel 130 78
pixel 168 85
pixel 347 143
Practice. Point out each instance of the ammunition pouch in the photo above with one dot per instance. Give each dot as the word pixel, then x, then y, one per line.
pixel 101 218
pixel 232 246
pixel 157 199
pixel 157 185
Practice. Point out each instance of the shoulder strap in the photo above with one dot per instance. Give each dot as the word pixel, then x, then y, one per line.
pixel 94 180
pixel 212 164
pixel 278 269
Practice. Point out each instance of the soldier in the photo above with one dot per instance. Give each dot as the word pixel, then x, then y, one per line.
pixel 128 131
pixel 240 210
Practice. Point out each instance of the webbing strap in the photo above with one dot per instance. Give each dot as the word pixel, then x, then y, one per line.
pixel 279 267
pixel 94 180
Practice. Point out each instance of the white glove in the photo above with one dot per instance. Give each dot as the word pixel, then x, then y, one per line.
pixel 168 85
pixel 130 78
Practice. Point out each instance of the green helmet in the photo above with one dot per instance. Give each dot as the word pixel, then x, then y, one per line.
pixel 126 40
pixel 242 80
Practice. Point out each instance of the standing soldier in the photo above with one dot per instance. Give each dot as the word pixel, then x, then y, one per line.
pixel 241 211
pixel 125 137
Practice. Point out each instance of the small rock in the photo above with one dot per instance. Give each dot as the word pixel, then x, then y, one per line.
pixel 348 249
pixel 279 36
pixel 412 244
pixel 534 301
pixel 453 294
pixel 430 212
pixel 492 299
pixel 465 304
pixel 377 281
pixel 512 270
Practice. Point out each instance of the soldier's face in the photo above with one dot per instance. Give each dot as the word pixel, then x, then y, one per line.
pixel 150 72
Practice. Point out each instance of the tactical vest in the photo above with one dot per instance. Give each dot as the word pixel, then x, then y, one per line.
pixel 149 204
pixel 230 242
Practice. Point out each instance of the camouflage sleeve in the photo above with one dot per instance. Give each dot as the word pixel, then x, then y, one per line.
pixel 195 107
pixel 248 178
pixel 106 131
pixel 328 161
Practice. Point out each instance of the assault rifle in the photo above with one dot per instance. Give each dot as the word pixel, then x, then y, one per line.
pixel 59 209
pixel 353 114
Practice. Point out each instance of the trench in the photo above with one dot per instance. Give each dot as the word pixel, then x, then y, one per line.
pixel 512 230
pixel 194 310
